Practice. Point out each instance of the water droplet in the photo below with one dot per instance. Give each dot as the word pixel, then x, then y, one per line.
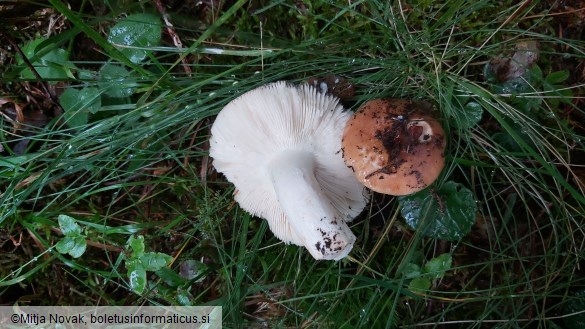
pixel 363 313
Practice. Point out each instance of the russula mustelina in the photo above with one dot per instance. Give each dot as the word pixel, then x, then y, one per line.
pixel 280 146
pixel 394 146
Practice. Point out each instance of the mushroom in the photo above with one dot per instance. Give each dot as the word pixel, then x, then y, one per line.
pixel 394 146
pixel 280 145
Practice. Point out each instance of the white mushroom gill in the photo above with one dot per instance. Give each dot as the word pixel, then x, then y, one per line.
pixel 280 145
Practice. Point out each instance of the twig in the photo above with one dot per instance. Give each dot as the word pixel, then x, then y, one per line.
pixel 553 14
pixel 19 115
pixel 171 30
pixel 47 91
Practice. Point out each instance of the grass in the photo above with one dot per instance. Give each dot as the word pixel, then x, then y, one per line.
pixel 141 167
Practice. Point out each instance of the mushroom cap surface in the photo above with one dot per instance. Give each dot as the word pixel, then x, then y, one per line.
pixel 394 146
pixel 279 117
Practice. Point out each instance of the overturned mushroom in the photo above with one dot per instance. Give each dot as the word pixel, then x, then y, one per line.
pixel 394 146
pixel 280 146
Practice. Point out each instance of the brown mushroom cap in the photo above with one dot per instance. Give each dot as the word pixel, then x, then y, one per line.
pixel 394 146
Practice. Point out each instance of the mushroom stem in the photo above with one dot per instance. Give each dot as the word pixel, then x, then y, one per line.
pixel 310 213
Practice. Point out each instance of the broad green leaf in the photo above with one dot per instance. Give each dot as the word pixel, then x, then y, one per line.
pixel 65 245
pixel 79 247
pixel 171 277
pixel 134 33
pixel 92 97
pixel 79 103
pixel 14 162
pixel 471 115
pixel 421 284
pixel 536 73
pixel 183 298
pixel 137 278
pixel 193 269
pixel 527 105
pixel 411 271
pixel 86 75
pixel 68 226
pixel 515 86
pixel 116 81
pixel 132 262
pixel 447 214
pixel 137 245
pixel 50 62
pixel 437 266
pixel 153 261
pixel 509 143
pixel 575 305
pixel 557 77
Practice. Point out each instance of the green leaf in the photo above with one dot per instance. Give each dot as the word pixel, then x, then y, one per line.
pixel 193 269
pixel 447 214
pixel 116 81
pixel 557 77
pixel 50 62
pixel 89 30
pixel 170 277
pixel 527 105
pixel 437 266
pixel 153 261
pixel 137 278
pixel 183 298
pixel 79 103
pixel 73 243
pixel 68 226
pixel 14 162
pixel 471 115
pixel 536 73
pixel 132 262
pixel 79 247
pixel 91 97
pixel 65 245
pixel 574 305
pixel 509 143
pixel 411 271
pixel 514 86
pixel 134 33
pixel 421 284
pixel 137 245
pixel 86 75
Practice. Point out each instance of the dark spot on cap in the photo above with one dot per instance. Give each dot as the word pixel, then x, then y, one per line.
pixel 327 243
pixel 318 246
